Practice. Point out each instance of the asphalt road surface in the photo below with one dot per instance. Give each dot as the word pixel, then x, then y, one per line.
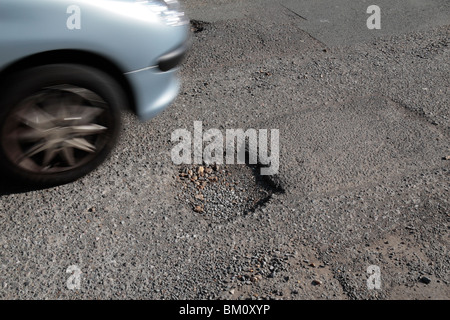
pixel 362 192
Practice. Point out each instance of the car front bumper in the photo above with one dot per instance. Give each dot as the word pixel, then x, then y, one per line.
pixel 156 87
pixel 153 90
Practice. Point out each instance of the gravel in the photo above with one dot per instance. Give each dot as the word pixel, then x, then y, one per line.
pixel 221 192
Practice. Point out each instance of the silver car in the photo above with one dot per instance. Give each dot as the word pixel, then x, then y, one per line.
pixel 67 67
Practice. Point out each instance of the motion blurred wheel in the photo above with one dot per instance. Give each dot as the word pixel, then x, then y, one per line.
pixel 58 123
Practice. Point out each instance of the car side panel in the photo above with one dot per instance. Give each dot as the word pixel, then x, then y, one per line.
pixel 125 32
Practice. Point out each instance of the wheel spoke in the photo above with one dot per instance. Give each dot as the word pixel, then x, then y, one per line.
pixel 27 134
pixel 90 113
pixel 36 118
pixel 67 153
pixel 49 156
pixel 37 148
pixel 89 129
pixel 83 93
pixel 81 144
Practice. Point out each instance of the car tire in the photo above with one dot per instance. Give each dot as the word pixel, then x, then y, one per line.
pixel 57 123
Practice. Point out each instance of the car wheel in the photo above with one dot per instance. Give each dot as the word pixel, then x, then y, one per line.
pixel 58 123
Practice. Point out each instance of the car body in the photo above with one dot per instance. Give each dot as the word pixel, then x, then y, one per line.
pixel 134 46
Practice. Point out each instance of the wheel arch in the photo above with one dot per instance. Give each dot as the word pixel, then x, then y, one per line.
pixel 73 57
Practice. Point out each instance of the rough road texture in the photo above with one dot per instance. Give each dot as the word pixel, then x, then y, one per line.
pixel 364 133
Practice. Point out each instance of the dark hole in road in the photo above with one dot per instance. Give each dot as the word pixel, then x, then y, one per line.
pixel 198 26
pixel 222 192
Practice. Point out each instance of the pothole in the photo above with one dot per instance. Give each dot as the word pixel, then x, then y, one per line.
pixel 198 26
pixel 223 192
